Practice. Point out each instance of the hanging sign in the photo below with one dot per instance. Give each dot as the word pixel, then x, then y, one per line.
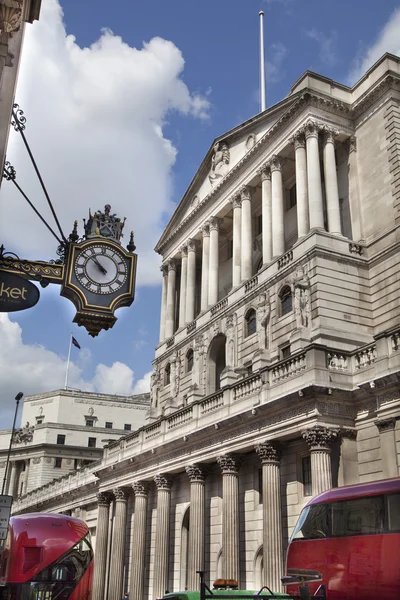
pixel 16 293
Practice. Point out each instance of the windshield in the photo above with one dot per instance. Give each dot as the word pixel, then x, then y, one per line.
pixel 314 523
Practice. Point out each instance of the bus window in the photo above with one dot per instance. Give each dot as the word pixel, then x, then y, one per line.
pixel 359 516
pixel 393 512
pixel 314 523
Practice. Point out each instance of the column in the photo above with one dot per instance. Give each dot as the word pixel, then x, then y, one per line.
pixel 182 295
pixel 237 240
pixel 386 429
pixel 170 310
pixel 315 206
pixel 164 271
pixel 213 276
pixel 116 582
pixel 266 207
pixel 270 455
pixel 278 226
pixel 247 237
pixel 196 475
pixel 100 565
pixel 191 281
pixel 141 490
pixel 12 479
pixel 354 191
pixel 320 440
pixel 230 465
pixel 303 224
pixel 331 183
pixel 205 266
pixel 161 550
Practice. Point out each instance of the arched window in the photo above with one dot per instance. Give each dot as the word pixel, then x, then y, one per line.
pixel 251 322
pixel 189 360
pixel 167 374
pixel 286 300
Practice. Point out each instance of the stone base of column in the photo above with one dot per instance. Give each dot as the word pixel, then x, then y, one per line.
pixel 261 359
pixel 299 339
pixel 228 377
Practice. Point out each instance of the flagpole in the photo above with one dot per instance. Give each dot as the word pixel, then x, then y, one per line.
pixel 69 356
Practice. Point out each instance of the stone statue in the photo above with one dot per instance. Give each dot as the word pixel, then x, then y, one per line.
pixel 175 374
pixel 263 319
pixel 219 162
pixel 197 372
pixel 25 434
pixel 301 286
pixel 154 387
pixel 230 333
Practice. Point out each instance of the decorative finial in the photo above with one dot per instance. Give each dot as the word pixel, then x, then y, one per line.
pixel 74 236
pixel 131 246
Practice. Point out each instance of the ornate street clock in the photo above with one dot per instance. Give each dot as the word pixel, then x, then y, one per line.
pixel 99 272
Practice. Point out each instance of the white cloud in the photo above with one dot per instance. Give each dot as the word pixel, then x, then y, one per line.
pixel 327 45
pixel 95 121
pixel 388 40
pixel 276 54
pixel 33 369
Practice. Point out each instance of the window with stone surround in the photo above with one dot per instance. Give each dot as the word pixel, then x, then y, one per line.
pixel 127 427
pixel 189 360
pixel 292 198
pixel 92 442
pixel 286 301
pixel 61 439
pixel 167 374
pixel 251 322
pixel 285 351
pixel 89 422
pixel 58 463
pixel 109 425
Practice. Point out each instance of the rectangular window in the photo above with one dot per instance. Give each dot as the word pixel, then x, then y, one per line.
pixel 39 421
pixel 127 426
pixel 306 475
pixel 58 463
pixel 92 442
pixel 61 439
pixel 393 512
pixel 109 425
pixel 285 352
pixel 361 516
pixel 89 422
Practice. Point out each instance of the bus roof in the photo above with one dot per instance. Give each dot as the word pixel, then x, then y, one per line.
pixel 358 490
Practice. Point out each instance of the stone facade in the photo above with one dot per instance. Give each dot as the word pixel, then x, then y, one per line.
pixel 277 372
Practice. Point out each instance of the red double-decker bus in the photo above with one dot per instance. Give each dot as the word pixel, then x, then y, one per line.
pixel 46 557
pixel 351 536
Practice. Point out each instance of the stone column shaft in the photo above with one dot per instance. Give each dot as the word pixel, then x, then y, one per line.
pixel 354 192
pixel 182 295
pixel 246 236
pixel 230 516
pixel 12 479
pixel 331 184
pixel 315 205
pixel 136 591
pixel 319 440
pixel 196 530
pixel 205 267
pixel 191 281
pixel 278 225
pixel 161 550
pixel 270 454
pixel 100 564
pixel 266 215
pixel 237 236
pixel 303 224
pixel 163 314
pixel 213 276
pixel 170 311
pixel 116 583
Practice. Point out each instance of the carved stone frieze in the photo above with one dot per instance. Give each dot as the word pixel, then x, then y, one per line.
pixel 196 473
pixel 229 463
pixel 141 488
pixel 319 437
pixel 163 481
pixel 269 452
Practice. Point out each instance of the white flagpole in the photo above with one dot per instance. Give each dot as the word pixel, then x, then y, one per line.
pixel 69 356
pixel 262 64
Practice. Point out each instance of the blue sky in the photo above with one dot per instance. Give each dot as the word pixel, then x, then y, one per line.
pixel 131 137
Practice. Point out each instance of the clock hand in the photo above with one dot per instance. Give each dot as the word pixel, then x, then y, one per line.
pixel 102 269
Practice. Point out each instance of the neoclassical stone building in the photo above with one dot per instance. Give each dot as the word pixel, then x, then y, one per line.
pixel 277 371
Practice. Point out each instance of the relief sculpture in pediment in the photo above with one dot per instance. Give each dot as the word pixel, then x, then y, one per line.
pixel 219 162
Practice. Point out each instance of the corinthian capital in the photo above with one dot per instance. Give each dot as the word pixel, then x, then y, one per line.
pixel 140 488
pixel 319 437
pixel 386 424
pixel 312 129
pixel 330 134
pixel 163 481
pixel 229 464
pixel 245 193
pixel 10 15
pixel 121 494
pixel 236 201
pixel 103 499
pixel 298 139
pixel 269 452
pixel 196 473
pixel 183 250
pixel 191 245
pixel 171 264
pixel 276 163
pixel 164 269
pixel 206 229
pixel 265 171
pixel 215 223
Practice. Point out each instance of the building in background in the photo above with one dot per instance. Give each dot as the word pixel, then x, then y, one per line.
pixel 63 431
pixel 277 372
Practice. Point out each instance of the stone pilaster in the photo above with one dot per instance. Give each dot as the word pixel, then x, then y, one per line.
pixel 320 440
pixel 163 315
pixel 205 266
pixel 100 565
pixel 266 201
pixel 197 476
pixel 237 240
pixel 314 176
pixel 191 281
pixel 161 550
pixel 386 428
pixel 270 455
pixel 170 311
pixel 213 276
pixel 331 182
pixel 138 556
pixel 354 191
pixel 230 465
pixel 116 582
pixel 278 228
pixel 182 293
pixel 246 258
pixel 303 224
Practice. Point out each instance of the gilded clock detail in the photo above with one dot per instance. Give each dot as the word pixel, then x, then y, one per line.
pixel 101 269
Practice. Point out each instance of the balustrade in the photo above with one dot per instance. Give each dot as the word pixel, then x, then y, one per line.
pixel 180 418
pixel 285 259
pixel 212 403
pixel 337 361
pixel 251 284
pixel 289 368
pixel 365 357
pixel 247 386
pixel 152 431
pixel 219 306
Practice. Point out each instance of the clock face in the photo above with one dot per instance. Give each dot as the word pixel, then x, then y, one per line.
pixel 101 269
